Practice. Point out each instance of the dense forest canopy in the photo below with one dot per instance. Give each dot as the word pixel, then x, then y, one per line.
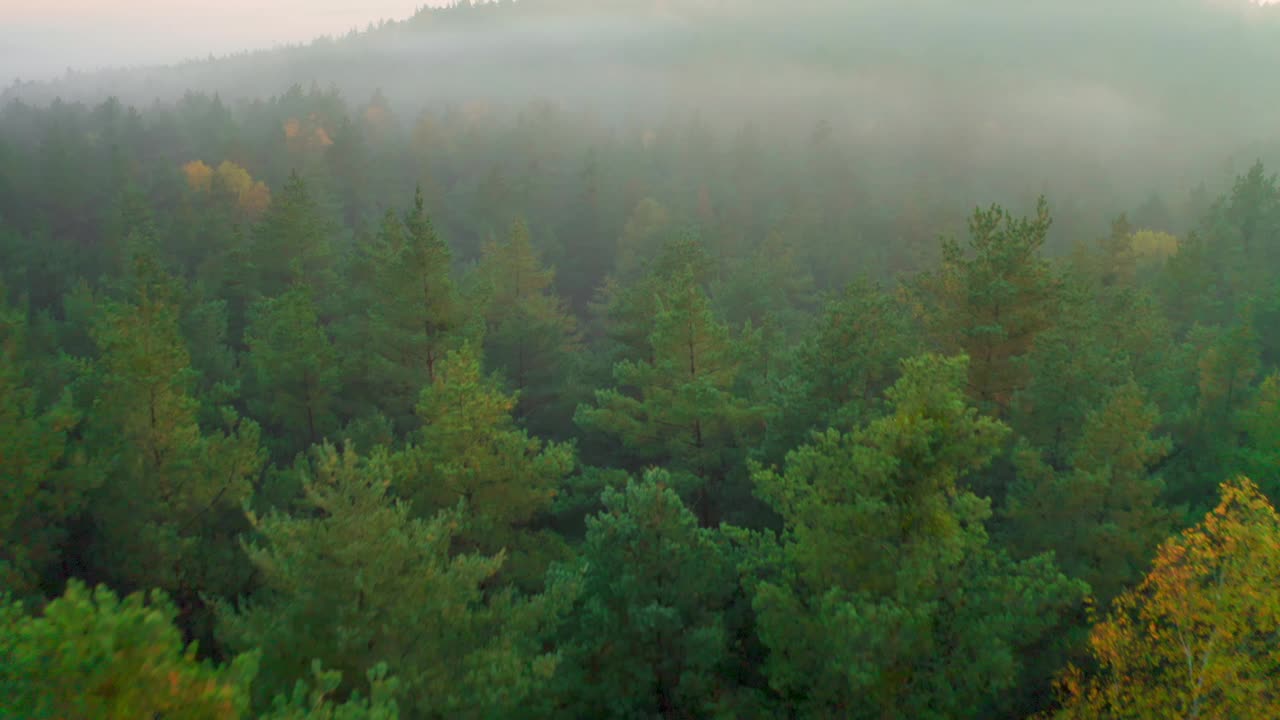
pixel 636 359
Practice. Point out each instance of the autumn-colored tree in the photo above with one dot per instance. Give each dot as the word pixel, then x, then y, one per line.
pixel 1196 638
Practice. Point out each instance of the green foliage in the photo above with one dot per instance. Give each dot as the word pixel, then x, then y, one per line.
pixel 43 480
pixel 991 301
pixel 415 316
pixel 647 637
pixel 314 701
pixel 840 371
pixel 887 598
pixel 168 503
pixel 530 337
pixel 92 655
pixel 293 244
pixel 388 588
pixel 1104 518
pixel 293 371
pixel 680 407
pixel 469 450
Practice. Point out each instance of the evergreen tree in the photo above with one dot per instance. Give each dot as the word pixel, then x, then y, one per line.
pixel 647 637
pixel 293 244
pixel 470 450
pixel 387 587
pixel 530 336
pixel 416 316
pixel 1104 518
pixel 884 598
pixel 166 513
pixel 993 300
pixel 43 479
pixel 680 408
pixel 92 655
pixel 293 371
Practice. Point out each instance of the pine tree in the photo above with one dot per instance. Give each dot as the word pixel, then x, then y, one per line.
pixel 42 480
pixel 293 371
pixel 293 244
pixel 839 373
pixel 353 579
pixel 647 637
pixel 416 316
pixel 1104 518
pixel 992 301
pixel 884 597
pixel 470 450
pixel 93 655
pixel 172 491
pixel 680 409
pixel 530 336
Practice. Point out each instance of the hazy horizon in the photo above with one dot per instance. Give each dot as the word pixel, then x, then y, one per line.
pixel 40 41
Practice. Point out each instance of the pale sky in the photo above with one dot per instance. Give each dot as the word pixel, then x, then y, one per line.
pixel 41 38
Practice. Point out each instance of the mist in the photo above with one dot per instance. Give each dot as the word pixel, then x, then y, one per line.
pixel 1146 96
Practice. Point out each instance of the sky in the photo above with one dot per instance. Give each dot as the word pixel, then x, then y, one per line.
pixel 40 39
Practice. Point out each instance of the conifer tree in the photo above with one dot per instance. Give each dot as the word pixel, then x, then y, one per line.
pixel 991 299
pixel 885 598
pixel 172 491
pixel 293 243
pixel 470 450
pixel 92 655
pixel 293 371
pixel 353 580
pixel 647 637
pixel 680 408
pixel 530 336
pixel 1104 518
pixel 416 316
pixel 43 480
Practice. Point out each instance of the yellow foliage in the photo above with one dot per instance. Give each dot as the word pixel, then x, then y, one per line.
pixel 1153 245
pixel 199 175
pixel 233 179
pixel 230 181
pixel 1196 637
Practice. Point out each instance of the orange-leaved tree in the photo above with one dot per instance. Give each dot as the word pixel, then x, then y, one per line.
pixel 1198 637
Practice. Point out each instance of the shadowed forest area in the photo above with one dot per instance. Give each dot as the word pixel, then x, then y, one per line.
pixel 683 359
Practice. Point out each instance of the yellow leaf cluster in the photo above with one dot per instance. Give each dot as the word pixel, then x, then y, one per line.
pixel 229 180
pixel 1153 245
pixel 199 176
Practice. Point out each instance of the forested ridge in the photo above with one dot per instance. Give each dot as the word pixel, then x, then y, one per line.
pixel 317 405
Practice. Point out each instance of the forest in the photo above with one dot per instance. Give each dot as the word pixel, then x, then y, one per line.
pixel 566 374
